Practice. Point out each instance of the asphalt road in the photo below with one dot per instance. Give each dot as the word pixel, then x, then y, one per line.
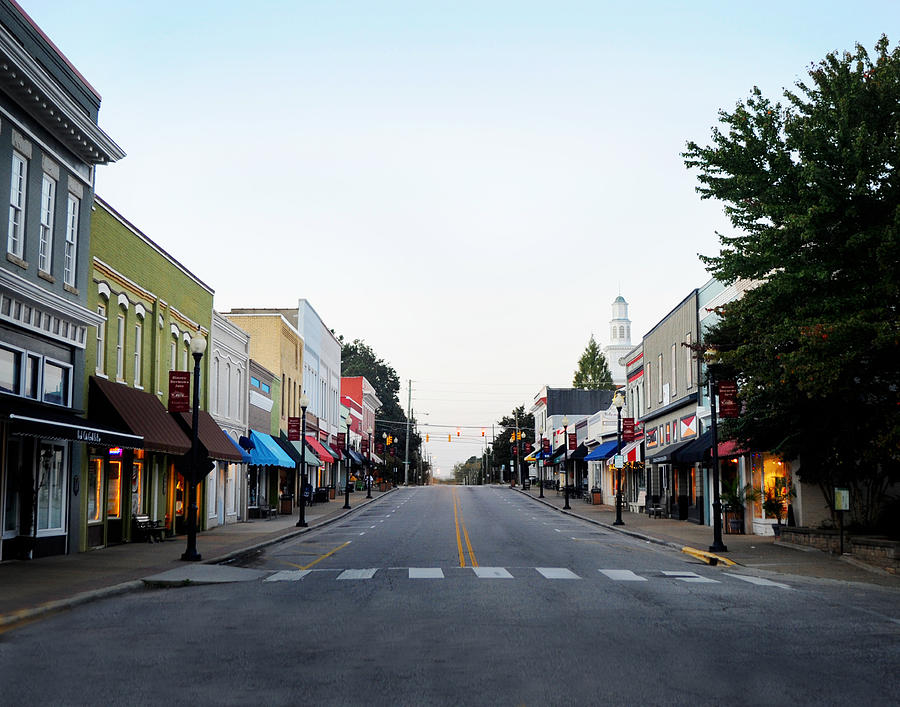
pixel 468 595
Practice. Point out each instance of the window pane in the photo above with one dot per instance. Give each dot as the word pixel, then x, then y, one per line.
pixel 56 384
pixel 50 492
pixel 10 371
pixel 114 490
pixel 94 489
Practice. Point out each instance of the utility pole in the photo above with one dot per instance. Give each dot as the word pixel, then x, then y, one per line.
pixel 408 418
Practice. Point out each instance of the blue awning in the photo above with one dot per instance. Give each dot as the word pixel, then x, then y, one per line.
pixel 354 456
pixel 245 455
pixel 266 451
pixel 604 451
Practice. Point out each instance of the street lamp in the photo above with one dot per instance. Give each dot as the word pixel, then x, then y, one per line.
pixel 618 401
pixel 541 461
pixel 369 472
pixel 347 469
pixel 565 422
pixel 304 403
pixel 198 347
pixel 718 545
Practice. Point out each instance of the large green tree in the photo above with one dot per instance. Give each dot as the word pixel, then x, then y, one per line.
pixel 470 471
pixel 812 188
pixel 504 441
pixel 593 370
pixel 359 359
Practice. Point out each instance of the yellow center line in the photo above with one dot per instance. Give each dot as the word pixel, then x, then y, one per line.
pixel 462 556
pixel 320 558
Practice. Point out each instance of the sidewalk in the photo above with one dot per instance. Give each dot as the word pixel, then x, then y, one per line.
pixel 758 552
pixel 31 588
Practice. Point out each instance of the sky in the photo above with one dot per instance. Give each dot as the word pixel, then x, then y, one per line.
pixel 465 186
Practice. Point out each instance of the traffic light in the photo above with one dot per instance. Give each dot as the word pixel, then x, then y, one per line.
pixel 457 431
pixel 390 439
pixel 482 433
pixel 426 437
pixel 449 437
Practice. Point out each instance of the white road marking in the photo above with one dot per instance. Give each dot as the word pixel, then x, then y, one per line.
pixel 759 581
pixel 426 573
pixel 690 577
pixel 623 575
pixel 557 573
pixel 358 574
pixel 287 576
pixel 363 532
pixel 492 573
pixel 557 530
pixel 371 526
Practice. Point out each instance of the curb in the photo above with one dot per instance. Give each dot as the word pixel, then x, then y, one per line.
pixel 20 616
pixel 708 557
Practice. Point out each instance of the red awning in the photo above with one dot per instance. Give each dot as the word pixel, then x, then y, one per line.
pixel 320 451
pixel 729 449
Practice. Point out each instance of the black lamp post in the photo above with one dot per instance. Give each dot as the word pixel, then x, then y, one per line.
pixel 565 422
pixel 618 401
pixel 369 472
pixel 541 461
pixel 347 469
pixel 304 403
pixel 718 545
pixel 198 346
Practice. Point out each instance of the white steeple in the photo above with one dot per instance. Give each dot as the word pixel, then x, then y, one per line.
pixel 619 339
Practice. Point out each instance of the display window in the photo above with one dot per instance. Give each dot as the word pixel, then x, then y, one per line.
pixel 51 487
pixel 114 489
pixel 769 474
pixel 94 490
pixel 137 483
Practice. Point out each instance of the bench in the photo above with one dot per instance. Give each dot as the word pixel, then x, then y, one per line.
pixel 654 508
pixel 152 530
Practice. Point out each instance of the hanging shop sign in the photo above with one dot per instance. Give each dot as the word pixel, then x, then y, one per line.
pixel 628 429
pixel 294 424
pixel 179 391
pixel 573 445
pixel 728 402
pixel 342 441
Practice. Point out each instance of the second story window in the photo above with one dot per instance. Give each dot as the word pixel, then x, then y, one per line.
pixel 120 348
pixel 48 204
pixel 71 254
pixel 16 234
pixel 137 354
pixel 101 341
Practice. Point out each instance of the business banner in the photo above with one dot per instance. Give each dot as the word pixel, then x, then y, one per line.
pixel 628 429
pixel 294 425
pixel 179 391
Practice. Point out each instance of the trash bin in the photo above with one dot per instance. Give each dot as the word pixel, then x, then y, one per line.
pixel 683 503
pixel 287 504
pixel 596 497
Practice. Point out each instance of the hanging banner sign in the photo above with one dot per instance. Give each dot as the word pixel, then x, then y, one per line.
pixel 364 446
pixel 342 441
pixel 379 449
pixel 294 424
pixel 628 429
pixel 573 444
pixel 728 402
pixel 179 391
pixel 545 445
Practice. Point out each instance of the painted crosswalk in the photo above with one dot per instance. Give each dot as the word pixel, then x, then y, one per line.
pixel 548 573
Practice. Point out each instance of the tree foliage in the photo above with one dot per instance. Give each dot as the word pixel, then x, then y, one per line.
pixel 812 189
pixel 469 471
pixel 504 442
pixel 593 370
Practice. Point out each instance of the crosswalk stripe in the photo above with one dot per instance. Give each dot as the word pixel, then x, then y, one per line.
pixel 426 573
pixel 492 573
pixel 690 577
pixel 358 574
pixel 759 581
pixel 623 576
pixel 287 576
pixel 557 573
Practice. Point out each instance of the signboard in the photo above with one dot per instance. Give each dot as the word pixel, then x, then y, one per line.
pixel 294 424
pixel 342 441
pixel 179 391
pixel 573 445
pixel 364 445
pixel 545 445
pixel 841 499
pixel 628 429
pixel 379 448
pixel 619 461
pixel 728 402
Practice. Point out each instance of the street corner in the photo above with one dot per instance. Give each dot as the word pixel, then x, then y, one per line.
pixel 203 574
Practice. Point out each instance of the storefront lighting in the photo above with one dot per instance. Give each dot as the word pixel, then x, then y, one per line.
pixel 115 451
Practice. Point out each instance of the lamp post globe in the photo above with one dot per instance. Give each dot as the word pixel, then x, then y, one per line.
pixel 198 347
pixel 565 422
pixel 618 402
pixel 304 403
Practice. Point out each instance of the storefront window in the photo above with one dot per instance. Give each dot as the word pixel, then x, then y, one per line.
pixel 114 490
pixel 776 478
pixel 13 464
pixel 52 487
pixel 56 384
pixel 10 371
pixel 137 483
pixel 94 489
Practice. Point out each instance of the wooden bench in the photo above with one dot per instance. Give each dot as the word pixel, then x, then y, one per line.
pixel 153 530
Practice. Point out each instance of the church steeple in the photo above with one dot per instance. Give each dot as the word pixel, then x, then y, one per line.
pixel 619 339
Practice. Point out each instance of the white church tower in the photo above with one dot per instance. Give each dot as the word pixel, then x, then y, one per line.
pixel 619 339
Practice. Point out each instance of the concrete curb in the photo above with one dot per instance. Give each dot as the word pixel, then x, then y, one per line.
pixel 14 618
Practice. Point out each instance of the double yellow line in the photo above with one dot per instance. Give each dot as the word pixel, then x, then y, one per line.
pixel 458 519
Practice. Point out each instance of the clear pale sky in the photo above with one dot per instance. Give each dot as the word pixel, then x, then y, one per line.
pixel 466 186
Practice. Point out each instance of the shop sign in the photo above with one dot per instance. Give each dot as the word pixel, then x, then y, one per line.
pixel 619 461
pixel 379 448
pixel 294 424
pixel 364 446
pixel 728 402
pixel 841 499
pixel 342 441
pixel 545 445
pixel 573 445
pixel 179 391
pixel 628 429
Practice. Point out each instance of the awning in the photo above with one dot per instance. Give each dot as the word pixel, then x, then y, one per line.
pixel 580 452
pixel 287 447
pixel 354 456
pixel 34 421
pixel 604 451
pixel 266 451
pixel 320 451
pixel 245 455
pixel 730 449
pixel 376 459
pixel 218 444
pixel 558 456
pixel 309 456
pixel 331 450
pixel 531 457
pixel 695 451
pixel 137 413
pixel 630 450
pixel 665 455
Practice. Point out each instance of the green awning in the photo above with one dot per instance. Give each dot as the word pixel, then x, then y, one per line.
pixel 311 458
